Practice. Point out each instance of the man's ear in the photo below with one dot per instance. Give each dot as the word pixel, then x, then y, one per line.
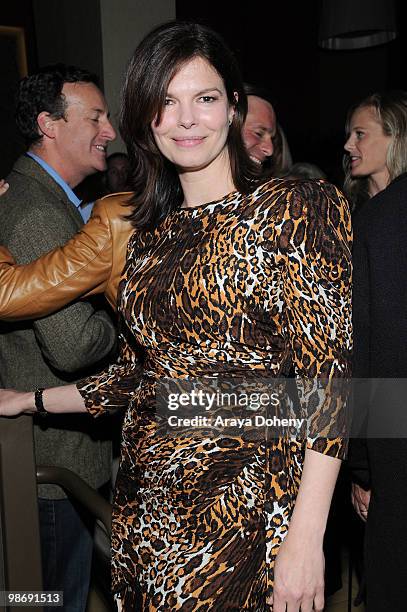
pixel 46 124
pixel 232 109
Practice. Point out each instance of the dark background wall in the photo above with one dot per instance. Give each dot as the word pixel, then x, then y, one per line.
pixel 64 34
pixel 13 14
pixel 275 43
pixel 53 33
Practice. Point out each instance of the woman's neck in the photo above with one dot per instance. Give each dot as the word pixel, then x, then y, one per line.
pixel 378 182
pixel 207 184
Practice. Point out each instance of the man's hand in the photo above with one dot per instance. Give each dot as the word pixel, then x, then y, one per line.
pixel 360 501
pixel 3 187
pixel 13 403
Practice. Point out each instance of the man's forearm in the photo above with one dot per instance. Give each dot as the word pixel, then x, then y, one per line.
pixel 76 337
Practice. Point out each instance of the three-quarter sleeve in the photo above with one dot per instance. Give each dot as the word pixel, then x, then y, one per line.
pixel 314 240
pixel 114 387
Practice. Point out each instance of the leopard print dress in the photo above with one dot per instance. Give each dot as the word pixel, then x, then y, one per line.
pixel 251 283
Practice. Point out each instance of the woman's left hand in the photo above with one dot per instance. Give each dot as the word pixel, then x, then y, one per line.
pixel 13 403
pixel 299 576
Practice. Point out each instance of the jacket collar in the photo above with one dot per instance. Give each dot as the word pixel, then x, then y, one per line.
pixel 29 167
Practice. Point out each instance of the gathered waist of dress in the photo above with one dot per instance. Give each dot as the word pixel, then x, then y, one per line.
pixel 157 382
pixel 170 362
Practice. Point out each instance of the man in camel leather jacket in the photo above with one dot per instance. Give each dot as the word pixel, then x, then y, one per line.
pixel 91 262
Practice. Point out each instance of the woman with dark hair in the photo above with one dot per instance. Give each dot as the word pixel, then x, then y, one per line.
pixel 225 277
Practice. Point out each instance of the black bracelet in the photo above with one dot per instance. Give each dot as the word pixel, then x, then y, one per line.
pixel 39 404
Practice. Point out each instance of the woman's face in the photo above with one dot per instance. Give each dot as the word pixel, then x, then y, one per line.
pixel 195 121
pixel 367 145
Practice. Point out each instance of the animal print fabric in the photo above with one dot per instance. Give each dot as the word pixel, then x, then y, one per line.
pixel 255 283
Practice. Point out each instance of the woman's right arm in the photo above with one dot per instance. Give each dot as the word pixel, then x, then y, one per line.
pixel 82 267
pixel 57 400
pixel 108 390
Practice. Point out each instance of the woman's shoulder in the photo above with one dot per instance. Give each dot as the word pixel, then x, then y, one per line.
pixel 384 213
pixel 391 196
pixel 298 186
pixel 303 197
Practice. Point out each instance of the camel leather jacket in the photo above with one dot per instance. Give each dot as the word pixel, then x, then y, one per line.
pixel 91 262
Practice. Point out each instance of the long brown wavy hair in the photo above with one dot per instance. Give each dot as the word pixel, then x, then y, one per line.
pixel 157 189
